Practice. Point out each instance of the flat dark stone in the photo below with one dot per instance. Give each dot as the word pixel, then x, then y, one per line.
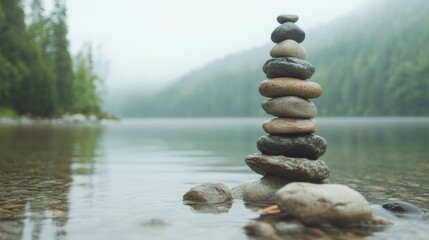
pixel 299 146
pixel 402 207
pixel 288 30
pixel 288 67
pixel 287 18
pixel 294 169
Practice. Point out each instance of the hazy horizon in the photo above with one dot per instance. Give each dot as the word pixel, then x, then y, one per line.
pixel 151 43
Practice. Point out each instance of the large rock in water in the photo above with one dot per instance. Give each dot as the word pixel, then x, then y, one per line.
pixel 323 203
pixel 209 193
pixel 288 30
pixel 281 87
pixel 295 169
pixel 288 67
pixel 290 107
pixel 299 146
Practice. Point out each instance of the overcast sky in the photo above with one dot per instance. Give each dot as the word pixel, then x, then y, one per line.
pixel 159 40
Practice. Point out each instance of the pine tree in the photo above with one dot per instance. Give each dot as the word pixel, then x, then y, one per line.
pixel 63 61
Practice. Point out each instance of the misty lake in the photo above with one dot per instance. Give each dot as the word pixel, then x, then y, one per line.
pixel 125 180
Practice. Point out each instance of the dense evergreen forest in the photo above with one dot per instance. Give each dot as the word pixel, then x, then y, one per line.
pixel 372 62
pixel 38 75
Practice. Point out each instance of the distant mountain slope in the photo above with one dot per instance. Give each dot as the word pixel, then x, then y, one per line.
pixel 372 62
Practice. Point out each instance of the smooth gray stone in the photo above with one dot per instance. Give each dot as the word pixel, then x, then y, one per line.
pixel 324 203
pixel 287 18
pixel 288 67
pixel 290 107
pixel 210 193
pixel 294 169
pixel 263 190
pixel 300 146
pixel 288 30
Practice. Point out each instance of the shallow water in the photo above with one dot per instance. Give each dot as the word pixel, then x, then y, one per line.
pixel 126 179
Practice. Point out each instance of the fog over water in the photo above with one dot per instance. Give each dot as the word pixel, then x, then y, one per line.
pixel 153 42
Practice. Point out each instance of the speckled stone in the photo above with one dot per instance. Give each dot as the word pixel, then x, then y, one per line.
pixel 280 87
pixel 295 169
pixel 287 18
pixel 296 146
pixel 288 67
pixel 287 126
pixel 288 48
pixel 288 30
pixel 290 107
pixel 323 203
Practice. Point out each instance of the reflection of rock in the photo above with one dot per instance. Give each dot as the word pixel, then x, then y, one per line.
pixel 400 207
pixel 323 203
pixel 212 208
pixel 35 187
pixel 261 191
pixel 155 223
pixel 260 230
pixel 208 193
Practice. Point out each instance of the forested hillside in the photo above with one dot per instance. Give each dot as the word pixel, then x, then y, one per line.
pixel 38 75
pixel 371 62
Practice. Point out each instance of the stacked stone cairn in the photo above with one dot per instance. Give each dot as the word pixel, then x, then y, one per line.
pixel 291 151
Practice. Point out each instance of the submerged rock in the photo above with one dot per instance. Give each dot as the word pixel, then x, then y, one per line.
pixel 210 193
pixel 324 203
pixel 400 207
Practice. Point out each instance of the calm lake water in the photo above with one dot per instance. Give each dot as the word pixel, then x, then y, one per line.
pixel 125 180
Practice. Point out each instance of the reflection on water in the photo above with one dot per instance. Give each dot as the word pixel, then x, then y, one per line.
pixel 98 180
pixel 37 164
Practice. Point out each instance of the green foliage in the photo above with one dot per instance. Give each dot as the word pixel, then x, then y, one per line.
pixel 36 68
pixel 6 112
pixel 372 62
pixel 86 98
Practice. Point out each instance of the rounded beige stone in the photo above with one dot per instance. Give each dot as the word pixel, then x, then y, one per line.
pixel 284 126
pixel 288 48
pixel 323 203
pixel 280 87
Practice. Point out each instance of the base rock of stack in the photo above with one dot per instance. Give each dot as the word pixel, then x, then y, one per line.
pixel 261 191
pixel 290 107
pixel 295 169
pixel 298 146
pixel 288 67
pixel 280 87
